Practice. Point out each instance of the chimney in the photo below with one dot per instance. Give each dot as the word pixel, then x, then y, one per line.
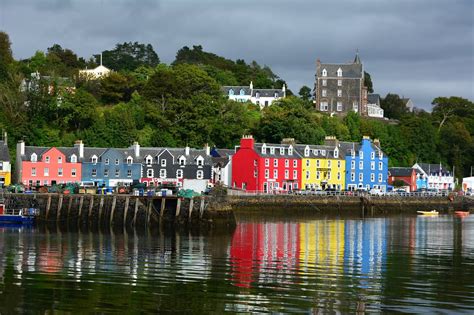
pixel 186 150
pixel 20 147
pixel 251 86
pixel 377 142
pixel 136 149
pixel 283 89
pixel 288 141
pixel 80 145
pixel 247 142
pixel 331 141
pixel 5 138
pixel 208 149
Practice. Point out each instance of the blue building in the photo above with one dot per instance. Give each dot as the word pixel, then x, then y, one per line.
pixel 366 165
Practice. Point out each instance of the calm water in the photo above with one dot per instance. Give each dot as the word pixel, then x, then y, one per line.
pixel 395 264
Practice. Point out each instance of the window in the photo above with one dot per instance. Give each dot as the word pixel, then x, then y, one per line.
pixel 60 172
pixel 338 162
pixel 339 93
pixel 231 92
pixel 117 162
pixel 148 160
pixel 361 177
pixel 106 172
pixel 380 178
pixel 267 162
pixel 242 92
pixel 60 159
pixel 361 165
pixel 325 82
pixel 33 171
pixel 324 93
pixel 287 163
pixel 94 159
pixel 179 174
pixel 275 173
pixel 329 163
pixel 323 106
pixel 323 152
pixel 46 159
pixel 107 161
pixel 272 150
pixel 163 162
pixel 353 177
pixel 117 172
pixel 182 161
pixel 295 163
pixel 339 82
pixel 287 174
pixel 45 183
pixel 290 151
pixel 306 152
pixel 353 153
pixel 329 175
pixel 380 166
pixel 361 154
pixel 372 165
pixel 255 173
pixel 353 165
pixel 200 174
pixel 264 149
pixel 34 157
pixel 307 174
pixel 200 161
pixel 282 151
pixel 163 173
pixel 307 162
pixel 257 95
pixel 318 175
pixel 372 177
pixel 324 73
pixel 275 162
pixel 46 172
pixel 129 173
pixel 317 163
pixel 94 172
pixel 339 106
pixel 73 158
pixel 295 174
pixel 372 155
pixel 339 72
pixel 355 106
pixel 149 173
pixel 267 173
pixel 380 155
pixel 73 172
pixel 129 160
pixel 338 175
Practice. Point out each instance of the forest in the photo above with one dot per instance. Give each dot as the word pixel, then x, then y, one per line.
pixel 181 104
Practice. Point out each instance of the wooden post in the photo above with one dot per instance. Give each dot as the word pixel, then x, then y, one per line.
pixel 201 207
pixel 114 202
pixel 163 205
pixel 48 206
pixel 191 205
pixel 125 210
pixel 136 210
pixel 101 206
pixel 178 206
pixel 60 205
pixel 69 207
pixel 81 203
pixel 148 212
pixel 91 205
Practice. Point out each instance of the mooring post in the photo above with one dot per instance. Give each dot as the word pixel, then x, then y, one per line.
pixel 114 202
pixel 125 210
pixel 101 206
pixel 48 206
pixel 201 208
pixel 60 205
pixel 191 205
pixel 136 211
pixel 178 206
pixel 81 203
pixel 91 205
pixel 163 205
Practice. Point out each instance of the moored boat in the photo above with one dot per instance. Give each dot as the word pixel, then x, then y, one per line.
pixel 17 216
pixel 432 212
pixel 461 213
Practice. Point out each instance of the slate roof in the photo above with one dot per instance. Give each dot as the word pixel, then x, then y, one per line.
pixel 268 92
pixel 224 152
pixel 349 70
pixel 250 92
pixel 236 89
pixel 318 151
pixel 433 168
pixel 373 99
pixel 220 161
pixel 276 154
pixel 4 154
pixel 400 171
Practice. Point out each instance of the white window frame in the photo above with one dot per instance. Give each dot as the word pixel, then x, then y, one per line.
pixel 275 173
pixel 353 176
pixel 380 178
pixel 267 173
pixel 380 166
pixel 275 162
pixel 117 172
pixel 295 174
pixel 129 160
pixel 325 82
pixel 94 172
pixel 295 163
pixel 267 162
pixel 372 177
pixel 163 162
pixel 163 173
pixel 339 93
pixel 73 158
pixel 339 106
pixel 287 163
pixel 73 172
pixel 361 165
pixel 129 173
pixel 339 82
pixel 287 174
pixel 200 174
pixel 372 165
pixel 361 177
pixel 339 72
pixel 324 93
pixel 46 171
pixel 60 159
pixel 179 174
pixel 149 173
pixel 60 171
pixel 324 73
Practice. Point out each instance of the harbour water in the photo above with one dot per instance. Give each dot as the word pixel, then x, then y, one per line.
pixel 306 265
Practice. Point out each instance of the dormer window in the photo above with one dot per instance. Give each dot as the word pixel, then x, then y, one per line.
pixel 148 160
pixel 336 153
pixel 315 152
pixel 276 95
pixel 200 161
pixel 264 149
pixel 129 160
pixel 231 92
pixel 282 151
pixel 272 150
pixel 60 159
pixel 242 92
pixel 47 159
pixel 34 157
pixel 306 151
pixel 73 158
pixel 182 161
pixel 324 73
pixel 94 159
pixel 163 162
pixel 290 151
pixel 339 72
pixel 352 153
pixel 323 152
pixel 361 154
pixel 257 95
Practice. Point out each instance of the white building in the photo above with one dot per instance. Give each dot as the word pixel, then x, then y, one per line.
pixel 373 106
pixel 468 184
pixel 439 177
pixel 261 97
pixel 96 73
pixel 222 166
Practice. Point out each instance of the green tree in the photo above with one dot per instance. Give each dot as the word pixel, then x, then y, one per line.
pixel 446 107
pixel 129 56
pixel 116 88
pixel 6 57
pixel 394 107
pixel 352 121
pixel 78 111
pixel 305 92
pixel 368 82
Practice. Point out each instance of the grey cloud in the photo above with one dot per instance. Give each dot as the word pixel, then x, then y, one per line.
pixel 421 49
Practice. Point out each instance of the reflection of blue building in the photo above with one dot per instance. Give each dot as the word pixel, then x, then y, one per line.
pixel 365 249
pixel 366 165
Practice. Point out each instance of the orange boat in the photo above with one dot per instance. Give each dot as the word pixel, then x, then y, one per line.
pixel 461 214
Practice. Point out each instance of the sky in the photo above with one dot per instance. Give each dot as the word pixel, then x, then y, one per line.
pixel 419 49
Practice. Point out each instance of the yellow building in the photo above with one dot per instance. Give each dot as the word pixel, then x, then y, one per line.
pixel 5 166
pixel 323 166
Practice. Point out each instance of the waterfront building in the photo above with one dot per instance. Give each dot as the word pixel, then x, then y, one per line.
pixel 323 166
pixel 38 166
pixel 468 184
pixel 366 165
pixel 5 164
pixel 373 106
pixel 270 168
pixel 405 174
pixel 260 97
pixel 437 176
pixel 98 72
pixel 222 166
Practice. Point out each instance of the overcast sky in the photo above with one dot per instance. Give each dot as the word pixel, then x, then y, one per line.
pixel 416 48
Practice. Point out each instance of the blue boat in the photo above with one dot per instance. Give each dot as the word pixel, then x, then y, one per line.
pixel 17 216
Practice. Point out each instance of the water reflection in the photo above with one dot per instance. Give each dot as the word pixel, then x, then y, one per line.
pixel 408 264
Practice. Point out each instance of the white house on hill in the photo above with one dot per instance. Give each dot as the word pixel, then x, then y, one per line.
pixel 261 97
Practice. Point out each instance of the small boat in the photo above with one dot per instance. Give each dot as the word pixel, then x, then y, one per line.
pixel 17 216
pixel 461 213
pixel 432 212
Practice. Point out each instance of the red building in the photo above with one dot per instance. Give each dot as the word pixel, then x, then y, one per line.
pixel 266 167
pixel 405 174
pixel 38 166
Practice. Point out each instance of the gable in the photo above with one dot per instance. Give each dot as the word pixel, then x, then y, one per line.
pixel 53 153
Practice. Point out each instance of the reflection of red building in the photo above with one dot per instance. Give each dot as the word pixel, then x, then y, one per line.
pixel 274 247
pixel 266 167
pixel 405 174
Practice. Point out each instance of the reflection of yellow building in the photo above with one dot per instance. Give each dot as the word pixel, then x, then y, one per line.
pixel 5 166
pixel 323 166
pixel 322 245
